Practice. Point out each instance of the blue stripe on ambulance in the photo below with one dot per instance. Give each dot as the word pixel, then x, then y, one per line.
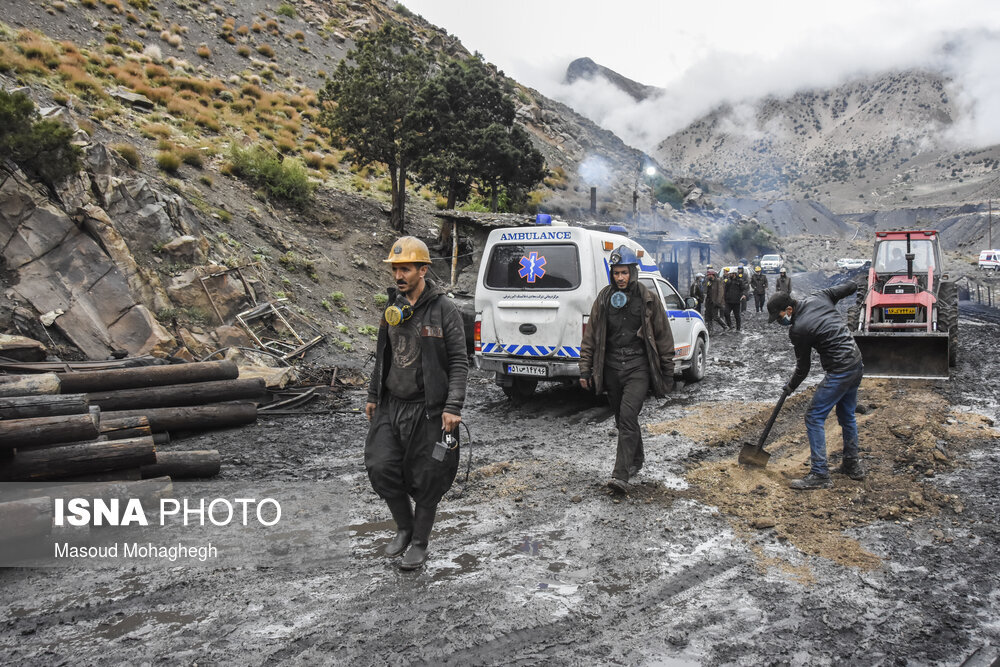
pixel 531 350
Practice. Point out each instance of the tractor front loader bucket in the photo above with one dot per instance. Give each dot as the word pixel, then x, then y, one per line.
pixel 904 355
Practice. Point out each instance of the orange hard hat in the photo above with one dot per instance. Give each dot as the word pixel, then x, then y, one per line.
pixel 408 250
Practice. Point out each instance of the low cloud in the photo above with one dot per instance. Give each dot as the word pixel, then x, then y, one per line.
pixel 970 58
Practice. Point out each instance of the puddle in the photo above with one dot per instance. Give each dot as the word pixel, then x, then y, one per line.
pixel 130 624
pixel 454 567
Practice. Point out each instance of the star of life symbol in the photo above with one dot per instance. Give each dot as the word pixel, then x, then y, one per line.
pixel 532 267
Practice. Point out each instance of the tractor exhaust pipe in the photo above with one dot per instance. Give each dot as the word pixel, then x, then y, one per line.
pixel 917 356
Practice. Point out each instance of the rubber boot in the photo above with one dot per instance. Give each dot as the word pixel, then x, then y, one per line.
pixel 416 555
pixel 402 514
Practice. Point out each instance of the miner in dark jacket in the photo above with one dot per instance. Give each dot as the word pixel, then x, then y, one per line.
pixel 715 300
pixel 736 295
pixel 627 347
pixel 815 324
pixel 758 283
pixel 415 398
pixel 783 282
pixel 697 290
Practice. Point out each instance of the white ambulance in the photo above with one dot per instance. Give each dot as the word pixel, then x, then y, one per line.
pixel 533 298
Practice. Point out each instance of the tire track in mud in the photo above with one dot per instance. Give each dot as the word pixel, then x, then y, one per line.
pixel 577 632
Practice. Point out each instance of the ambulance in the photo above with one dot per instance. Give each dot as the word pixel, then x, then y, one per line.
pixel 534 293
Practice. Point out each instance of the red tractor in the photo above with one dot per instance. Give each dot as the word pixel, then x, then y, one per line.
pixel 905 319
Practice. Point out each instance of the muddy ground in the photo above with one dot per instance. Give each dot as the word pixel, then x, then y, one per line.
pixel 703 562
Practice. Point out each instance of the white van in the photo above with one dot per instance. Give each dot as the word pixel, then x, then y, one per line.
pixel 989 260
pixel 533 298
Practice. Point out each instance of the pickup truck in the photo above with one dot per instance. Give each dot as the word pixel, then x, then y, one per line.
pixel 771 263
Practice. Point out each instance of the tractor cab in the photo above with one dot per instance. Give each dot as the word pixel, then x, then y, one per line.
pixel 905 320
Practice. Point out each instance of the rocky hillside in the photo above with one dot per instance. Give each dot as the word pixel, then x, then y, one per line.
pixel 159 95
pixel 869 145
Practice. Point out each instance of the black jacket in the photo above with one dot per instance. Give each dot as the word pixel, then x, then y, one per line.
pixel 444 361
pixel 655 333
pixel 818 325
pixel 736 288
pixel 759 283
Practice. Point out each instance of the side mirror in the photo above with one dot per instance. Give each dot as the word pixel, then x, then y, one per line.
pixel 691 303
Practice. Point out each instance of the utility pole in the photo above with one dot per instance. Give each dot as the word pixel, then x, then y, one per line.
pixel 991 226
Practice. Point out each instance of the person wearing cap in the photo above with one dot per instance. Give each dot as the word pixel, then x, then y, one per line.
pixel 697 290
pixel 783 283
pixel 415 398
pixel 715 300
pixel 759 285
pixel 815 324
pixel 627 347
pixel 736 295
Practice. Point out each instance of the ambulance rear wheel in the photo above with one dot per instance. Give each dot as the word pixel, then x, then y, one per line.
pixel 520 389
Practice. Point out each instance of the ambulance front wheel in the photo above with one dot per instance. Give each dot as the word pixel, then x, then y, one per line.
pixel 519 389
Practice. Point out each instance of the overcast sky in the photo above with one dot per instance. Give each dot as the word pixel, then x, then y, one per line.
pixel 711 51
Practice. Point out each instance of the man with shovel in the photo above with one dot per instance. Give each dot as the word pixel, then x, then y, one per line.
pixel 815 324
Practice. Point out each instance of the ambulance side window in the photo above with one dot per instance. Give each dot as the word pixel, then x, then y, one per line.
pixel 671 298
pixel 650 284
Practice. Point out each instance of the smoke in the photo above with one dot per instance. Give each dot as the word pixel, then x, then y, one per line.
pixel 594 171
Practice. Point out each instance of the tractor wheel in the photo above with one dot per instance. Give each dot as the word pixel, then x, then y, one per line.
pixel 854 312
pixel 520 389
pixel 948 317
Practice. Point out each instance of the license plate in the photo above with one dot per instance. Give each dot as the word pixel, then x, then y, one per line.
pixel 912 310
pixel 525 369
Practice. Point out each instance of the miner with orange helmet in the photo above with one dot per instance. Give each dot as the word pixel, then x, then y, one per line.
pixel 415 400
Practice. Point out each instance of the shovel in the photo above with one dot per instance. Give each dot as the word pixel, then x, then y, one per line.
pixel 755 456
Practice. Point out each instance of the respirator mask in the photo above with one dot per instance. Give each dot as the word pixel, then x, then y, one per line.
pixel 398 312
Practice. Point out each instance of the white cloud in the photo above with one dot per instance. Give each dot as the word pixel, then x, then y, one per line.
pixel 726 51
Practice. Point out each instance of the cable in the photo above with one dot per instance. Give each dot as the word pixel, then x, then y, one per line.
pixel 457 493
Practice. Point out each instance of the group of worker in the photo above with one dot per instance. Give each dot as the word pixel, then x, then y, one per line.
pixel 727 296
pixel 417 389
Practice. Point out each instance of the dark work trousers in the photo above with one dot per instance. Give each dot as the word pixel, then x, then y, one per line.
pixel 712 316
pixel 626 392
pixel 734 308
pixel 398 453
pixel 758 300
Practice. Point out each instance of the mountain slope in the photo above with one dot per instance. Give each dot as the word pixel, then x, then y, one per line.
pixel 871 144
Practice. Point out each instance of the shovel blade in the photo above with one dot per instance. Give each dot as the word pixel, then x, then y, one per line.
pixel 753 456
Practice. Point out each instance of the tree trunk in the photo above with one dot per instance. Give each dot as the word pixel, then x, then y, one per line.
pixel 126 427
pixel 196 393
pixel 23 407
pixel 147 376
pixel 80 459
pixel 396 208
pixel 29 385
pixel 192 418
pixel 17 433
pixel 184 465
pixel 399 205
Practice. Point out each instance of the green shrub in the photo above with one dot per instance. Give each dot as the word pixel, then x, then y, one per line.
pixel 748 239
pixel 286 179
pixel 168 162
pixel 41 148
pixel 192 157
pixel 381 299
pixel 285 9
pixel 130 153
pixel 337 298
